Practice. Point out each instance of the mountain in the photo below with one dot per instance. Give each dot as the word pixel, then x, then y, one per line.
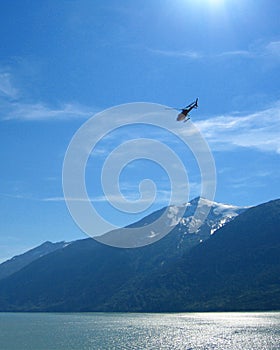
pixel 238 268
pixel 15 264
pixel 227 265
pixel 179 219
pixel 200 216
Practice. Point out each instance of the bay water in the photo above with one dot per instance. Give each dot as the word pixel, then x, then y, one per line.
pixel 86 331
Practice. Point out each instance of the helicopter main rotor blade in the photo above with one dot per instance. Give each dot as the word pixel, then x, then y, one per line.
pixel 173 108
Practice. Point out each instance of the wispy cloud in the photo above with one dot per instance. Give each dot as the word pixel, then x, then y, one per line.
pixel 268 50
pixel 259 130
pixel 264 50
pixel 195 55
pixel 14 107
pixel 132 195
pixel 6 87
pixel 42 112
pixel 246 182
pixel 63 199
pixel 173 53
pixel 236 53
pixel 273 48
pixel 16 196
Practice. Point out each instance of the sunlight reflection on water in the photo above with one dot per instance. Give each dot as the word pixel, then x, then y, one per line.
pixel 205 331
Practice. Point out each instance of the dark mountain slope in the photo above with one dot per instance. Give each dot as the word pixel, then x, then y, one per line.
pixel 238 268
pixel 71 278
pixel 15 264
pixel 86 274
pixel 83 275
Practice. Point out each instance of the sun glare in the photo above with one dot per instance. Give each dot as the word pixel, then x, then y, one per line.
pixel 211 2
pixel 215 2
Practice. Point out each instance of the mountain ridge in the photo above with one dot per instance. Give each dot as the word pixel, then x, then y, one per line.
pixel 190 216
pixel 17 262
pixel 169 275
pixel 221 274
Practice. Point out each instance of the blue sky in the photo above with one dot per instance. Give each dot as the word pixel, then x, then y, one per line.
pixel 62 62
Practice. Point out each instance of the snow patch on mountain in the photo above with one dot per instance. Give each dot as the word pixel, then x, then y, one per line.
pixel 173 215
pixel 201 211
pixel 192 222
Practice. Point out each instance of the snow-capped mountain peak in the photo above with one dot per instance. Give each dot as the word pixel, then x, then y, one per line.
pixel 216 211
pixel 200 217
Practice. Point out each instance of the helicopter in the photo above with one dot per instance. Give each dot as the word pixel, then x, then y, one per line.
pixel 184 115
